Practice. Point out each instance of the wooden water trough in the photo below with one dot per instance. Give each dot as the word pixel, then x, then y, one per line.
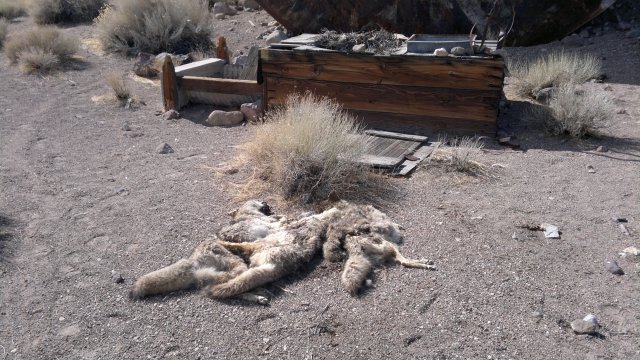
pixel 412 93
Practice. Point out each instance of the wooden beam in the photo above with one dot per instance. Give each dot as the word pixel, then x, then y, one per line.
pixel 169 84
pixel 479 105
pixel 450 72
pixel 218 85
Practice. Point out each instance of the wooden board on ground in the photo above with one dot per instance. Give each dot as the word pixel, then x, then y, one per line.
pixel 408 166
pixel 388 149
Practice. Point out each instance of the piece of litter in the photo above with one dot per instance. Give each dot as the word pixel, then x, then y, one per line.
pixel 631 250
pixel 619 219
pixel 550 231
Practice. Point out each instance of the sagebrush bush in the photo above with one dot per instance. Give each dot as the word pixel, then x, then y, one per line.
pixel 460 154
pixel 309 150
pixel 4 26
pixel 41 49
pixel 554 69
pixel 117 83
pixel 575 112
pixel 155 26
pixel 65 11
pixel 10 9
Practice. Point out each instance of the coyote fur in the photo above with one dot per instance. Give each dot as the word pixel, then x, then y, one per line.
pixel 258 248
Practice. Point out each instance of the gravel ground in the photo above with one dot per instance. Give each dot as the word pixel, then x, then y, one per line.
pixel 81 197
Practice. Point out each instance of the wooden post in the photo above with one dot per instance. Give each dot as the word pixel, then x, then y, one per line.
pixel 170 97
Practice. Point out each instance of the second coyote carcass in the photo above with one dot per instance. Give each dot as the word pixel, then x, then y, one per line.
pixel 259 248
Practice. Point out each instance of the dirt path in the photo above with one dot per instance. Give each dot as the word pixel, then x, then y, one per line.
pixel 86 197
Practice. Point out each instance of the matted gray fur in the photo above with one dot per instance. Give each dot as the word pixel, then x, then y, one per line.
pixel 258 248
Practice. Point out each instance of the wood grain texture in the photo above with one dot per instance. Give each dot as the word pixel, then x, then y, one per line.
pixel 451 72
pixel 218 85
pixel 480 105
pixel 169 84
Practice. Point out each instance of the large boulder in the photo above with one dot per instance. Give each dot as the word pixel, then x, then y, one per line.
pixel 536 22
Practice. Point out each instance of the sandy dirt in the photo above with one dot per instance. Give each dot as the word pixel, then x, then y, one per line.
pixel 80 197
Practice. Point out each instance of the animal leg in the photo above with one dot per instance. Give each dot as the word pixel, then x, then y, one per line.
pixel 392 249
pixel 248 280
pixel 355 273
pixel 259 299
pixel 174 277
pixel 244 249
pixel 332 248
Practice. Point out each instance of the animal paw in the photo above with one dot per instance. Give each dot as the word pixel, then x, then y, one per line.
pixel 262 300
pixel 428 264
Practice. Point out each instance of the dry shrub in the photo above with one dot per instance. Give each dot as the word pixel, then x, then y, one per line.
pixel 460 154
pixel 41 49
pixel 574 111
pixel 65 11
pixel 10 9
pixel 4 28
pixel 379 42
pixel 554 69
pixel 119 86
pixel 154 26
pixel 308 150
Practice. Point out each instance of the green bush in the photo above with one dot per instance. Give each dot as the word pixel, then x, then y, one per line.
pixel 155 26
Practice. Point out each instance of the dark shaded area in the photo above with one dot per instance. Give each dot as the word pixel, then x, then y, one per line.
pixel 7 226
pixel 535 21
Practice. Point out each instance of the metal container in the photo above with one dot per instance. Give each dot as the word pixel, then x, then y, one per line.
pixel 426 44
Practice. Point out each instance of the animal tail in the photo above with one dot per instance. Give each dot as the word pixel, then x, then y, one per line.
pixel 174 277
pixel 248 280
pixel 355 273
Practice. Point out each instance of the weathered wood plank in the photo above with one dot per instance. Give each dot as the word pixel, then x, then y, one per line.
pixel 455 73
pixel 379 161
pixel 396 135
pixel 478 105
pixel 169 84
pixel 206 67
pixel 423 124
pixel 218 85
pixel 408 165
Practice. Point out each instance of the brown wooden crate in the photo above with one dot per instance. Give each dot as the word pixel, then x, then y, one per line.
pixel 478 105
pixel 450 72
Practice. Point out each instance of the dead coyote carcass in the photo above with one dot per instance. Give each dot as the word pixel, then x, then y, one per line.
pixel 259 248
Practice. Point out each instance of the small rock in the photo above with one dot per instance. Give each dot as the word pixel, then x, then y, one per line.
pixel 411 339
pixel 251 111
pixel 69 331
pixel 619 219
pixel 275 37
pixel 171 115
pixel 164 148
pixel 225 118
pixel 220 16
pixel 573 40
pixel 543 96
pixel 240 59
pixel 582 327
pixel 250 4
pixel 125 127
pixel 550 231
pixel 592 319
pixel 538 315
pixel 612 267
pixel 459 51
pixel 624 229
pixel 273 23
pixel 359 48
pixel 602 149
pixel 116 277
pixel 591 169
pixel 623 26
pixel 144 65
pixel 223 8
pixel 368 283
pixel 442 52
pixel 621 111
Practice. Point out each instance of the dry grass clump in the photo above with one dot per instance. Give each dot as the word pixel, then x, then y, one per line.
pixel 554 69
pixel 308 150
pixel 4 26
pixel 154 26
pixel 119 86
pixel 379 42
pixel 41 49
pixel 10 9
pixel 575 112
pixel 65 11
pixel 460 155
